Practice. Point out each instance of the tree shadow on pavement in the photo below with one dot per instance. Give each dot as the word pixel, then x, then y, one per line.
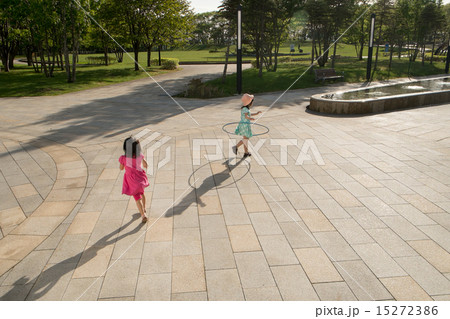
pixel 50 277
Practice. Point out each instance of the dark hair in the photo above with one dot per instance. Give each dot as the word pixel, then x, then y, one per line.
pixel 131 147
pixel 247 104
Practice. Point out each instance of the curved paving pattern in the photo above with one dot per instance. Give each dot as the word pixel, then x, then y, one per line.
pixel 52 195
pixel 373 223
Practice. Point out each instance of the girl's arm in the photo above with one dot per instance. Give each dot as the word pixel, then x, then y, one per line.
pixel 144 163
pixel 121 167
pixel 259 112
pixel 248 117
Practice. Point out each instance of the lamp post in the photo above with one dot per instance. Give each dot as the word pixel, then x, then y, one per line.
pixel 369 60
pixel 239 51
pixel 447 64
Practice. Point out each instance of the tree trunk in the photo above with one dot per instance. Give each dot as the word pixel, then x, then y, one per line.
pixel 29 53
pixel 423 54
pixel 159 55
pixel 313 48
pixel 361 41
pixel 224 75
pixel 136 55
pixel 105 52
pixel 432 49
pixel 149 55
pixel 334 56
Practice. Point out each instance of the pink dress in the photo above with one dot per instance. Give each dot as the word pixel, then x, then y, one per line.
pixel 134 179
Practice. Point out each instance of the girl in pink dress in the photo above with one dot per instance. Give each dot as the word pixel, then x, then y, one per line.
pixel 135 178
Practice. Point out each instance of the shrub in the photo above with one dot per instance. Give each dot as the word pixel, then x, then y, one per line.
pixel 100 60
pixel 197 89
pixel 167 64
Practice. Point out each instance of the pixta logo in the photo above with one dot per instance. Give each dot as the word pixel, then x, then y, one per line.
pixel 150 143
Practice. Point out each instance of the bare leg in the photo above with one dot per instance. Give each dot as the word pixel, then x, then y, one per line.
pixel 141 210
pixel 239 144
pixel 143 202
pixel 245 142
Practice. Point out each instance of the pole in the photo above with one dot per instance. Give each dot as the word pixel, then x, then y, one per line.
pixel 447 64
pixel 159 55
pixel 369 60
pixel 239 51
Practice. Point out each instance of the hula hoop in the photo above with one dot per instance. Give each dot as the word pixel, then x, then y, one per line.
pixel 232 133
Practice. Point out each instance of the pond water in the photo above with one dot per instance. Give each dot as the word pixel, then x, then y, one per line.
pixel 431 85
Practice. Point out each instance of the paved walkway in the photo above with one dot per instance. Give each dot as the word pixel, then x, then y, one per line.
pixel 372 223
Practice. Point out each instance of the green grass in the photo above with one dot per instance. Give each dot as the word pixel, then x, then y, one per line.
pixel 23 81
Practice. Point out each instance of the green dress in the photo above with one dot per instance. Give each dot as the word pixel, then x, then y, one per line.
pixel 244 127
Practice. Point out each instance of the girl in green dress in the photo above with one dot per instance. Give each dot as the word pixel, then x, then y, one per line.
pixel 244 129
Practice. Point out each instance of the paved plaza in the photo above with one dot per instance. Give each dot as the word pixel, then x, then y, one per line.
pixel 370 222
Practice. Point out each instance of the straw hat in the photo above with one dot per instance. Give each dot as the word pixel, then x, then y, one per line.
pixel 247 99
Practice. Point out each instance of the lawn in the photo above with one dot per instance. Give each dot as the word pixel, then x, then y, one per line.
pixel 23 81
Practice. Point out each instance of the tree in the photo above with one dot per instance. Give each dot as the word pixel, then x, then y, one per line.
pixel 11 32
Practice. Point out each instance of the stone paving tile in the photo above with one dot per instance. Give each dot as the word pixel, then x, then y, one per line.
pixel 93 262
pixel 368 181
pixel 442 219
pixel 188 274
pixel 356 189
pixel 217 254
pixel 335 246
pixel 83 223
pixel 69 249
pixel 255 203
pixel 17 179
pixel 154 287
pixel 254 270
pixel 391 242
pixel 224 285
pixel 229 196
pixel 317 265
pixel 378 260
pixel 433 253
pixel 160 207
pixel 405 289
pixel 121 279
pixel 439 234
pixel 14 293
pixel 262 294
pixel 422 204
pixel 11 217
pixel 60 208
pixel 213 226
pixel 300 200
pixel 30 203
pixel 8 199
pixel 293 283
pixel 413 215
pixel 38 225
pixel 265 224
pixel 298 235
pixel 328 183
pixel 273 194
pixel 186 241
pixel 159 230
pixel 315 220
pixel 190 296
pixel 83 289
pixel 284 212
pixel 331 209
pixel 52 282
pixel 351 231
pixel 209 205
pixel 105 234
pixel 365 218
pixel 403 228
pixel 361 280
pixel 345 198
pixel 156 258
pixel 28 269
pixel 243 238
pixel 130 242
pixel 377 206
pixel 334 291
pixel 24 190
pixel 185 217
pixel 277 250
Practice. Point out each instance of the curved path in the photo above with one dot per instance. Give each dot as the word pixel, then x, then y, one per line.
pixel 372 223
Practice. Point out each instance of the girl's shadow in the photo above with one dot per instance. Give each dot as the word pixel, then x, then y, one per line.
pixel 214 181
pixel 50 277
